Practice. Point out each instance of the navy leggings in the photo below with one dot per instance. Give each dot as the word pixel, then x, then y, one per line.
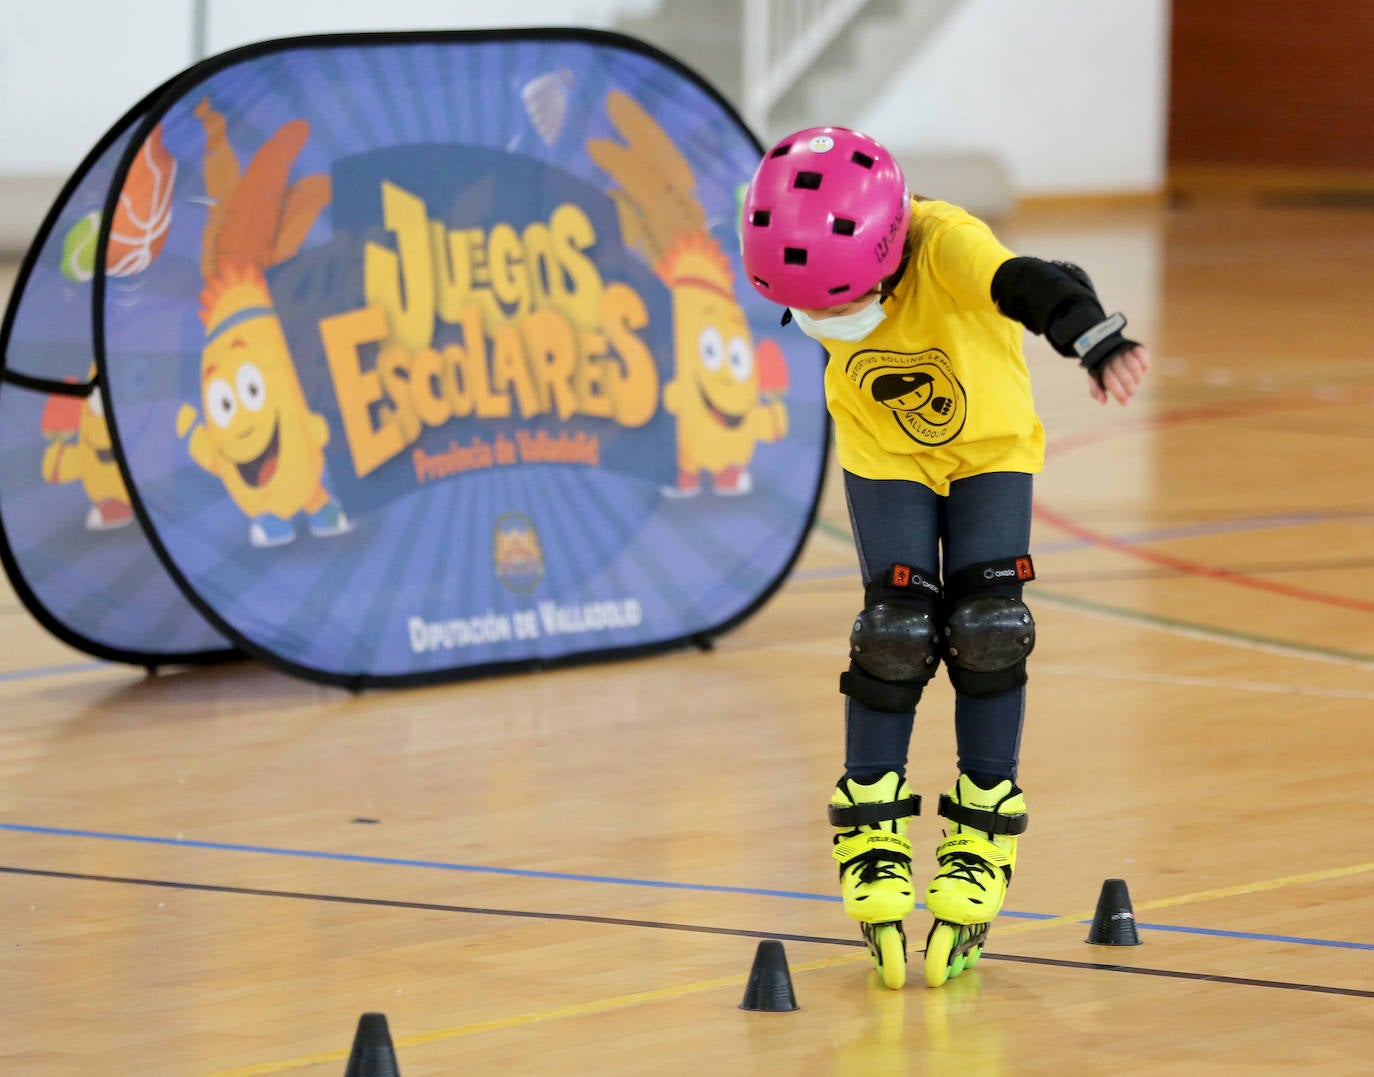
pixel 984 518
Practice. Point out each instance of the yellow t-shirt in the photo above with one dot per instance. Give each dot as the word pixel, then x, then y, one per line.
pixel 940 390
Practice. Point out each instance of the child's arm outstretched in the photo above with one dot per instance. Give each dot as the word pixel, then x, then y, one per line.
pixel 1057 300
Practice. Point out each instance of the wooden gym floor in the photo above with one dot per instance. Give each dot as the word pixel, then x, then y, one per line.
pixel 215 873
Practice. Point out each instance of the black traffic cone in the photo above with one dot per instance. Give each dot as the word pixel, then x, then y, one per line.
pixel 373 1054
pixel 769 989
pixel 1114 921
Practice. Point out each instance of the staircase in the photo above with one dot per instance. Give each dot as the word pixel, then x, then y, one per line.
pixel 789 64
pixel 706 35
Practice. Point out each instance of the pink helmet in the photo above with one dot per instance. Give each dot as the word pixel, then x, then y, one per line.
pixel 825 218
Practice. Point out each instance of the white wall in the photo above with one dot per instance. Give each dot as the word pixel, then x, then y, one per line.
pixel 237 22
pixel 1071 95
pixel 70 68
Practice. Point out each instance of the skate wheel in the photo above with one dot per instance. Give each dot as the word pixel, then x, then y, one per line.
pixel 951 949
pixel 940 944
pixel 891 955
pixel 887 948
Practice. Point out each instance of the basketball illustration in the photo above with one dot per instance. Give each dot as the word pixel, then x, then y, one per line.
pixel 144 213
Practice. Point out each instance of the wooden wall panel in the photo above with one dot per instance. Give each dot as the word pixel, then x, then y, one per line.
pixel 1272 83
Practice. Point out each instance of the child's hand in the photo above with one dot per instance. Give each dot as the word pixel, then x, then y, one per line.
pixel 1120 375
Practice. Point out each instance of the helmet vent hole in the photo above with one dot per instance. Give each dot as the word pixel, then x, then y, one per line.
pixel 863 160
pixel 842 226
pixel 839 289
pixel 782 151
pixel 807 181
pixel 794 256
pixel 761 282
pixel 761 218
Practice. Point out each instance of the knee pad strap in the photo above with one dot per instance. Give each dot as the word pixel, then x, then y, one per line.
pixel 880 695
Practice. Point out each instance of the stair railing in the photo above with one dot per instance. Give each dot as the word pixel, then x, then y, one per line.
pixel 782 39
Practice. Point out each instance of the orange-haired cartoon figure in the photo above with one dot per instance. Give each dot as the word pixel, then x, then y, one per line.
pixel 79 447
pixel 79 451
pixel 258 435
pixel 726 392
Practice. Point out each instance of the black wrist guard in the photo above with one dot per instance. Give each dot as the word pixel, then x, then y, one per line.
pixel 1088 335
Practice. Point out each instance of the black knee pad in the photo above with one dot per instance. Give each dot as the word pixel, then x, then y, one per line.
pixel 988 630
pixel 894 646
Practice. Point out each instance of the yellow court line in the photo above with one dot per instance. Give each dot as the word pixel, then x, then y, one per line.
pixel 1201 895
pixel 620 1002
pixel 617 1002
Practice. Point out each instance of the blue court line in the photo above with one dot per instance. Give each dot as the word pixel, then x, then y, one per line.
pixel 1219 933
pixel 50 671
pixel 615 880
pixel 390 861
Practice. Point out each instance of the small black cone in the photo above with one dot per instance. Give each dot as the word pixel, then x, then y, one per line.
pixel 769 989
pixel 373 1054
pixel 1114 921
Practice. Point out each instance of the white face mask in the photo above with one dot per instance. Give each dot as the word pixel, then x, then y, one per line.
pixel 847 327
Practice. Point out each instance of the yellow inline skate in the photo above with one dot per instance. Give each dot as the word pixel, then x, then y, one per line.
pixel 874 855
pixel 976 861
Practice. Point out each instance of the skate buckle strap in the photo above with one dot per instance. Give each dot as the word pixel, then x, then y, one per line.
pixel 849 816
pixel 875 844
pixel 963 845
pixel 989 822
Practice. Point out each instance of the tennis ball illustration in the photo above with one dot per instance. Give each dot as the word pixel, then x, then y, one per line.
pixel 78 248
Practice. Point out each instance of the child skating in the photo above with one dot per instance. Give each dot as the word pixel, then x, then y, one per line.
pixel 920 310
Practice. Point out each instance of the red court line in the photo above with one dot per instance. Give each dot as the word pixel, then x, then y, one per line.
pixel 1197 568
pixel 1226 410
pixel 1193 568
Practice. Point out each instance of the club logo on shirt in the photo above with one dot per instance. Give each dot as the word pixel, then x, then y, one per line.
pixel 926 399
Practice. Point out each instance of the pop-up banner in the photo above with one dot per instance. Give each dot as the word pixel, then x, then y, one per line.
pixel 418 355
pixel 71 546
